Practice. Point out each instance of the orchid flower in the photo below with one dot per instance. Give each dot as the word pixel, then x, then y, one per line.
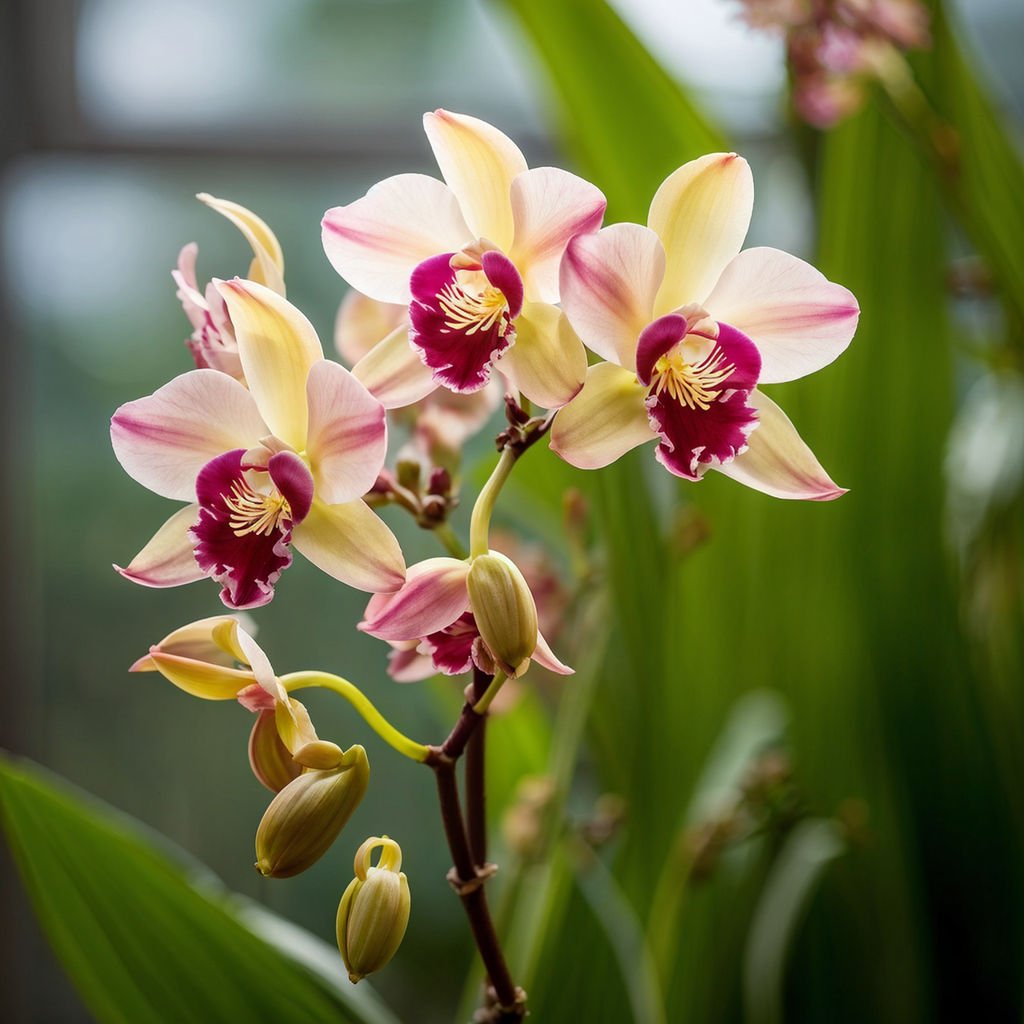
pixel 475 259
pixel 284 462
pixel 431 627
pixel 213 343
pixel 218 659
pixel 442 421
pixel 691 326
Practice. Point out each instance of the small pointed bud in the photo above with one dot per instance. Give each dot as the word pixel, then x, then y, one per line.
pixel 504 609
pixel 270 759
pixel 374 911
pixel 304 819
pixel 408 472
pixel 440 482
pixel 320 754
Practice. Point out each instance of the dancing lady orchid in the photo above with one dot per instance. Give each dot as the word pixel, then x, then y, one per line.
pixel 475 258
pixel 691 327
pixel 281 463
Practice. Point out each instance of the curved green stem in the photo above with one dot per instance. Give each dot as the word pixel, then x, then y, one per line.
pixel 446 535
pixel 481 706
pixel 480 522
pixel 373 718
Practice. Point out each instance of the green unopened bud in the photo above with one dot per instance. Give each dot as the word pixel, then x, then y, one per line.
pixel 306 816
pixel 504 609
pixel 374 911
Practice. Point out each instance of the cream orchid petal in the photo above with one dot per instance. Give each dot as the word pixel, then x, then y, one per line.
pixel 777 461
pixel 277 346
pixel 201 679
pixel 701 213
pixel 609 280
pixel 165 439
pixel 393 371
pixel 479 163
pixel 362 322
pixel 376 242
pixel 550 207
pixel 268 260
pixel 348 436
pixel 546 658
pixel 604 421
pixel 799 320
pixel 167 559
pixel 352 544
pixel 548 362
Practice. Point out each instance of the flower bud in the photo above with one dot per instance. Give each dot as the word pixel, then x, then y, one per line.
pixel 374 911
pixel 504 609
pixel 306 816
pixel 270 759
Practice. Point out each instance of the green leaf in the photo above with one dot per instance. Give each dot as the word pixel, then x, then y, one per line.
pixel 624 120
pixel 146 939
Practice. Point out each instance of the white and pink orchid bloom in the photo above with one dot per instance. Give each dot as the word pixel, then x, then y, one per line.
pixel 430 625
pixel 372 337
pixel 475 258
pixel 279 464
pixel 212 342
pixel 691 327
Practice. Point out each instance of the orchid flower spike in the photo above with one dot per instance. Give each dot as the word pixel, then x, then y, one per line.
pixel 691 327
pixel 212 342
pixel 432 617
pixel 283 462
pixel 366 334
pixel 475 259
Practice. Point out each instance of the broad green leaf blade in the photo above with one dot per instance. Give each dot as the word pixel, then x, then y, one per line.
pixel 812 845
pixel 624 120
pixel 140 940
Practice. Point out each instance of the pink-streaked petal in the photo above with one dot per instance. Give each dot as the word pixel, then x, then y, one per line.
pixel 393 371
pixel 278 346
pixel 433 597
pixel 798 319
pixel 550 207
pixel 604 421
pixel 778 462
pixel 188 294
pixel 248 566
pixel 479 164
pixel 377 241
pixel 164 440
pixel 460 352
pixel 548 362
pixel 655 340
pixel 267 267
pixel 608 283
pixel 701 213
pixel 295 482
pixel 362 322
pixel 348 436
pixel 694 439
pixel 167 560
pixel 352 544
pixel 547 658
pixel 407 665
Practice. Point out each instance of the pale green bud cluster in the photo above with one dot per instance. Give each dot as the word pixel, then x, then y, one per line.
pixel 505 612
pixel 374 911
pixel 305 817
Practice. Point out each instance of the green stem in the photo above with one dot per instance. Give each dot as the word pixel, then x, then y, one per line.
pixel 480 522
pixel 481 706
pixel 373 718
pixel 446 535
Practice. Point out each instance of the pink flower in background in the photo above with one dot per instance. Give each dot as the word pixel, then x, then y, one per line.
pixel 475 258
pixel 690 327
pixel 212 342
pixel 283 463
pixel 372 337
pixel 430 625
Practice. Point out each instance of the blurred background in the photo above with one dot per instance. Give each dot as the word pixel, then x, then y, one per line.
pixel 877 641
